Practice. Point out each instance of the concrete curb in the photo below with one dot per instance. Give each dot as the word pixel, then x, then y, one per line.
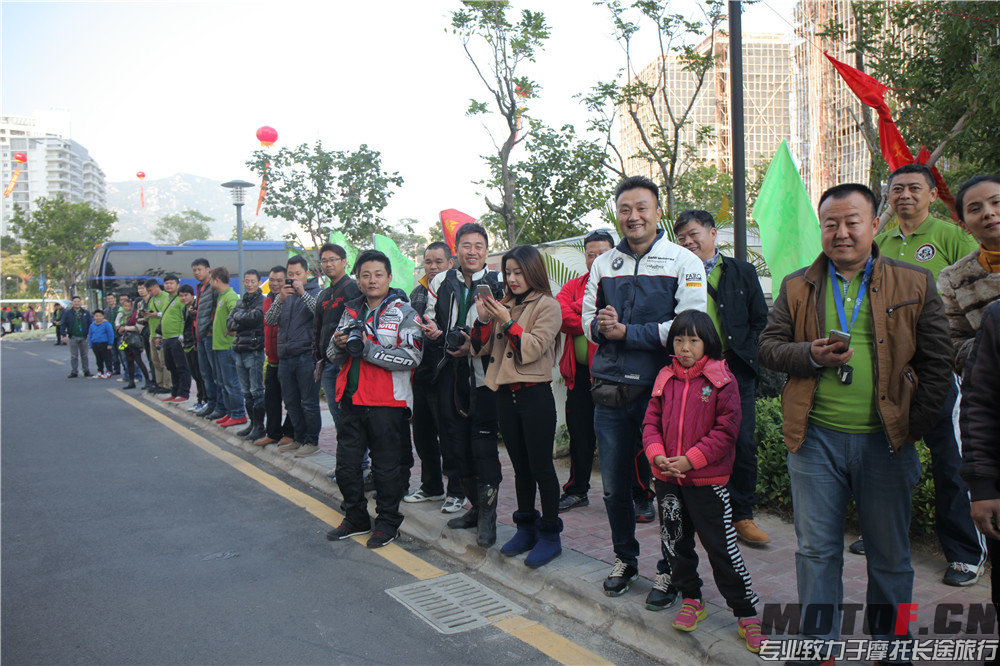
pixel 569 585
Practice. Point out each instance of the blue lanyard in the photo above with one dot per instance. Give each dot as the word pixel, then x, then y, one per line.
pixel 839 300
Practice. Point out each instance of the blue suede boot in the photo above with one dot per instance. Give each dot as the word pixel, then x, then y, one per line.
pixel 548 546
pixel 525 538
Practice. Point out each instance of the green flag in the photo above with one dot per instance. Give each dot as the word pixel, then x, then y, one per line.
pixel 340 239
pixel 402 267
pixel 789 228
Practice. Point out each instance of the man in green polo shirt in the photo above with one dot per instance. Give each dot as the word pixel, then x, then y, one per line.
pixel 230 395
pixel 158 301
pixel 852 412
pixel 926 241
pixel 172 330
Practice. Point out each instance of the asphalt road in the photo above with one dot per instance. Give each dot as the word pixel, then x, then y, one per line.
pixel 124 543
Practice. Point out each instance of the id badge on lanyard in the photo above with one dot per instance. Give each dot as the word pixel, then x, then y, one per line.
pixel 845 373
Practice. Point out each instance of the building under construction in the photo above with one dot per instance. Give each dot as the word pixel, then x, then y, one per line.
pixel 828 144
pixel 768 92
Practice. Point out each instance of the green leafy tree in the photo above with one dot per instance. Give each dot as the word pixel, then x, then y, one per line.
pixel 941 61
pixel 58 237
pixel 327 190
pixel 251 232
pixel 175 229
pixel 9 245
pixel 560 180
pixel 435 233
pixel 662 117
pixel 499 49
pixel 410 243
pixel 705 187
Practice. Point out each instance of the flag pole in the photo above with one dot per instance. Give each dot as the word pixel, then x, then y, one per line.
pixel 736 133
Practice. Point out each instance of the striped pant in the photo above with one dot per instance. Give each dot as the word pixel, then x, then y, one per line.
pixel 705 510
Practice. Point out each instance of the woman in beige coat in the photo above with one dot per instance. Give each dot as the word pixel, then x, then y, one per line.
pixel 519 333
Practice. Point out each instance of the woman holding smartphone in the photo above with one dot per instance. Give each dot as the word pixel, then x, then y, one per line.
pixel 519 334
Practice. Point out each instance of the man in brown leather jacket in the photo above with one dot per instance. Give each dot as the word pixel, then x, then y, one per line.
pixel 852 411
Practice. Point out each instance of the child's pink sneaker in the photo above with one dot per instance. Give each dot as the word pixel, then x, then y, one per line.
pixel 691 613
pixel 749 629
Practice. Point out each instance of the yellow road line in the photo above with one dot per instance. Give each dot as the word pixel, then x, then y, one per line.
pixel 550 643
pixel 393 553
pixel 547 642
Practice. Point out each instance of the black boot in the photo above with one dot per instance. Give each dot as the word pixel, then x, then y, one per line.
pixel 470 518
pixel 249 409
pixel 487 515
pixel 130 385
pixel 257 420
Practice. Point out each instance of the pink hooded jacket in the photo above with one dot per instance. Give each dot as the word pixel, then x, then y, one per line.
pixel 694 412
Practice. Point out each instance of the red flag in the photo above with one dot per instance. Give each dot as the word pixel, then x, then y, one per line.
pixel 872 93
pixel 451 220
pixel 13 181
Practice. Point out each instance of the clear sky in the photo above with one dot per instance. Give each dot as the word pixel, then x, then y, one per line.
pixel 167 87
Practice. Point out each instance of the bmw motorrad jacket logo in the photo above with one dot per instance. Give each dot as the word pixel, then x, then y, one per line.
pixel 617 263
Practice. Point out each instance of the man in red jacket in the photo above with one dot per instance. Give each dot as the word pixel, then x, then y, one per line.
pixel 274 431
pixel 575 369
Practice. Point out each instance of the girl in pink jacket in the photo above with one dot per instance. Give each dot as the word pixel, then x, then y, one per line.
pixel 689 435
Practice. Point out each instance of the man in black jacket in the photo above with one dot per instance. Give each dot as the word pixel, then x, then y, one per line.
pixel 737 307
pixel 246 321
pixel 426 431
pixel 467 408
pixel 329 308
pixel 979 421
pixel 203 316
pixel 293 313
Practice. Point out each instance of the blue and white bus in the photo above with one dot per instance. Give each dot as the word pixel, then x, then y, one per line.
pixel 116 267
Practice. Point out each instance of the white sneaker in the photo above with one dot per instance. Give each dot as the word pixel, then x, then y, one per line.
pixel 452 504
pixel 419 495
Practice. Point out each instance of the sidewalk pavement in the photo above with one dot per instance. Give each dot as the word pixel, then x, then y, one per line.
pixel 571 584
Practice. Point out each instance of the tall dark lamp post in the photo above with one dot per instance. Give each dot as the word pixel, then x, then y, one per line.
pixel 736 130
pixel 237 187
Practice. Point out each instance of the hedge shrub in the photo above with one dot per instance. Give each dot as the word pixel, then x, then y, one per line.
pixel 774 490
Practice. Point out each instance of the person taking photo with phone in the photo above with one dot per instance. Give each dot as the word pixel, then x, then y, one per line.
pixel 518 333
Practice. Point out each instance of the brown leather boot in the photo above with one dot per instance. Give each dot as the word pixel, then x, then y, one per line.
pixel 750 534
pixel 264 441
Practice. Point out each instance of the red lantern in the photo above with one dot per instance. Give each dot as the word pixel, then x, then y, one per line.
pixel 142 195
pixel 267 135
pixel 20 158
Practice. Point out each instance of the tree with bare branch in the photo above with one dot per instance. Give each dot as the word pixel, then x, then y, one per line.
pixel 663 118
pixel 498 49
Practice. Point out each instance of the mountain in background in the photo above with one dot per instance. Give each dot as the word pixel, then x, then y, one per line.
pixel 180 192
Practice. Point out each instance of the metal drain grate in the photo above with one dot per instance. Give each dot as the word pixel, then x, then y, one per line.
pixel 454 603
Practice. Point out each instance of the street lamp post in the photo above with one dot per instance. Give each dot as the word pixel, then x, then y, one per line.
pixel 237 187
pixel 737 134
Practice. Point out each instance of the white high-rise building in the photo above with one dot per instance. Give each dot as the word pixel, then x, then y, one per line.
pixel 56 165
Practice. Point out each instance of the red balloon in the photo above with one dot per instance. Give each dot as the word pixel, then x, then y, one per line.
pixel 20 158
pixel 140 174
pixel 267 135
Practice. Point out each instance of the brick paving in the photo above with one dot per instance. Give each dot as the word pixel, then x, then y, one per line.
pixel 771 567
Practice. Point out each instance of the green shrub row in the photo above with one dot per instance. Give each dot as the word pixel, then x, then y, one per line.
pixel 774 490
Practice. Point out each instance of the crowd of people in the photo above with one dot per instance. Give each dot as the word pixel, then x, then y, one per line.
pixel 663 344
pixel 14 319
